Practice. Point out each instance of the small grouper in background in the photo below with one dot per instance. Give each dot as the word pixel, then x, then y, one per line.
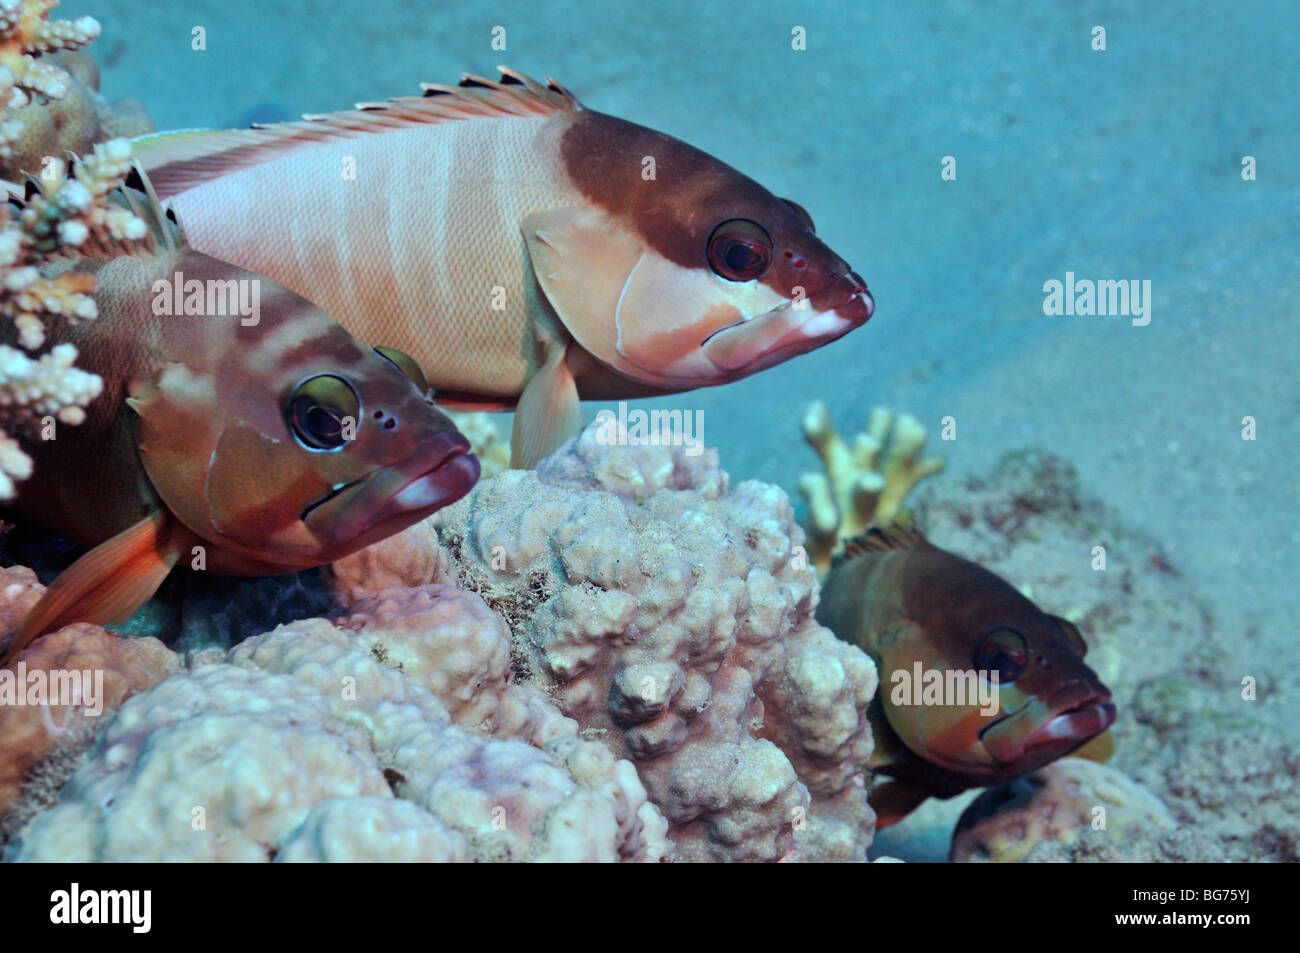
pixel 267 435
pixel 915 609
pixel 524 250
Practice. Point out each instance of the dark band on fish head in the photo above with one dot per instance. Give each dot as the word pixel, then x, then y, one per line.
pixel 678 211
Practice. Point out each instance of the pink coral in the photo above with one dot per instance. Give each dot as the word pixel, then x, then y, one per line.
pixel 672 614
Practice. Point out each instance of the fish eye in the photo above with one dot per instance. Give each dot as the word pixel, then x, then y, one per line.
pixel 803 213
pixel 320 409
pixel 1003 651
pixel 740 250
pixel 406 364
pixel 1072 635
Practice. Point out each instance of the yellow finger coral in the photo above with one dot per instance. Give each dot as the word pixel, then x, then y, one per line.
pixel 862 484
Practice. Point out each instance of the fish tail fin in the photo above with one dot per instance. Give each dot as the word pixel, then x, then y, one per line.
pixel 108 583
pixel 548 412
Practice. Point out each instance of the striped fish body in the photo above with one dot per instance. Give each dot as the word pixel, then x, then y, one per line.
pixel 438 271
pixel 524 250
pixel 238 422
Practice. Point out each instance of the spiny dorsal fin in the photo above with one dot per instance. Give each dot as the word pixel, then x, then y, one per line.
pixel 880 539
pixel 179 161
pixel 164 232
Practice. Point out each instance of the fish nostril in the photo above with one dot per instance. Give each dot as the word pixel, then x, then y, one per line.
pixel 379 415
pixel 390 423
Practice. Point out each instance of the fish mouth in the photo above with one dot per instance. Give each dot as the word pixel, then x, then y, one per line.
pixel 1071 729
pixel 753 344
pixel 389 499
pixel 1039 732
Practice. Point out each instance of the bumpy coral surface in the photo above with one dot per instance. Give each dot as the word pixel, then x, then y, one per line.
pixel 318 742
pixel 72 123
pixel 104 668
pixel 1057 803
pixel 488 435
pixel 672 615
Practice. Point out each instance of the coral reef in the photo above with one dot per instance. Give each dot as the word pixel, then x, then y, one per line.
pixel 670 614
pixel 49 90
pixel 71 124
pixel 333 745
pixel 862 484
pixel 65 213
pixel 489 437
pixel 32 728
pixel 1057 803
pixel 26 32
pixel 49 107
pixel 1224 764
pixel 1186 845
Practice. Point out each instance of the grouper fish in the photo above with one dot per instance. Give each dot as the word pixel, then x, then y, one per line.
pixel 523 249
pixel 925 615
pixel 257 443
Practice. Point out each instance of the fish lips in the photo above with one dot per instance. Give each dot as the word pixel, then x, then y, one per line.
pixel 1042 731
pixel 1070 729
pixel 389 499
pixel 787 331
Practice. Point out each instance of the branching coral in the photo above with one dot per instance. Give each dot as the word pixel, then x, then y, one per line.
pixel 49 90
pixel 25 34
pixel 863 484
pixel 64 214
pixel 42 131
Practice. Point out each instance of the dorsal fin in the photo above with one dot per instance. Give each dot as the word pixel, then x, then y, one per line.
pixel 179 161
pixel 163 233
pixel 880 539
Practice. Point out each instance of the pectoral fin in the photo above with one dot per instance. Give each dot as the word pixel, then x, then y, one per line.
pixel 582 259
pixel 108 583
pixel 548 413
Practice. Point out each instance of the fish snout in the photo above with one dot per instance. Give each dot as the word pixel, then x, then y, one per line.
pixel 389 499
pixel 847 298
pixel 1080 711
pixel 793 328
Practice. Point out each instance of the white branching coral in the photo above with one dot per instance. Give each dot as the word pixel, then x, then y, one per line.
pixel 25 34
pixel 64 214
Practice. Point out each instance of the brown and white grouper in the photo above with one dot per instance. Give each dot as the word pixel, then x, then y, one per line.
pixel 978 686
